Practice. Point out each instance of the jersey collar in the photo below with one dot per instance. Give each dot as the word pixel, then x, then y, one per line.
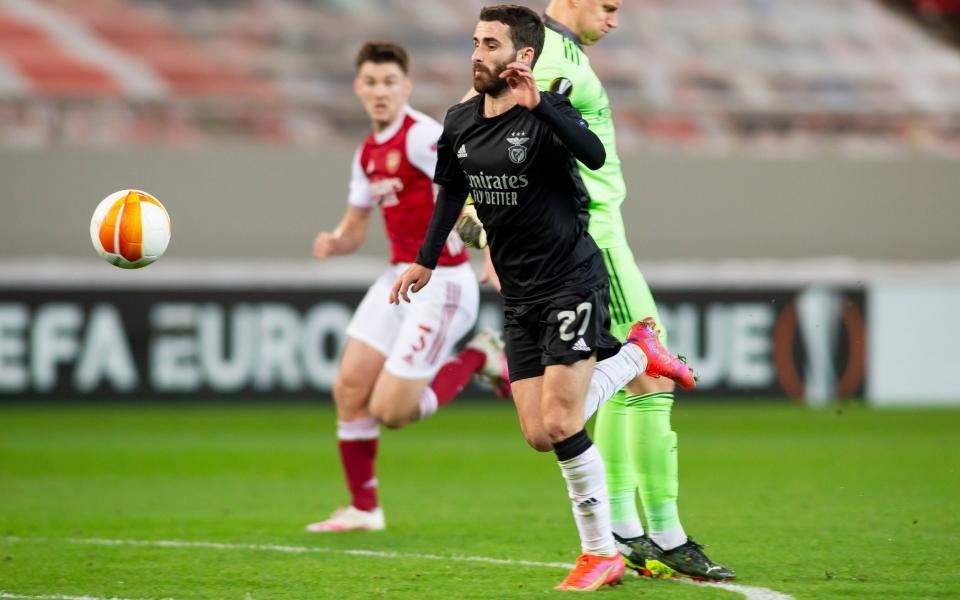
pixel 562 29
pixel 480 117
pixel 389 132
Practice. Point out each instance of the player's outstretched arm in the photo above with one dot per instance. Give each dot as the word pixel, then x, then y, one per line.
pixel 445 213
pixel 347 237
pixel 568 125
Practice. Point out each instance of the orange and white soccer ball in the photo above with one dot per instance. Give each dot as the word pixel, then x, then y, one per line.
pixel 130 229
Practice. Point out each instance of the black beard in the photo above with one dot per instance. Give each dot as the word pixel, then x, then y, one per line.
pixel 495 86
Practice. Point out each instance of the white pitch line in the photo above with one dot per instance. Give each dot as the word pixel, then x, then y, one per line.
pixel 748 592
pixel 312 550
pixel 62 597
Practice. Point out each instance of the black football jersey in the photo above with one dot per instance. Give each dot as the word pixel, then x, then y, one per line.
pixel 527 191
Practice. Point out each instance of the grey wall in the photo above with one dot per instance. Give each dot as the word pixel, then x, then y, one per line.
pixel 265 202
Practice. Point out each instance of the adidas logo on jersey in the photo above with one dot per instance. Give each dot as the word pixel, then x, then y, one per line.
pixel 581 346
pixel 462 152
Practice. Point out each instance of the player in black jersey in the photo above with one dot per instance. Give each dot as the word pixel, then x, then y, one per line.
pixel 515 149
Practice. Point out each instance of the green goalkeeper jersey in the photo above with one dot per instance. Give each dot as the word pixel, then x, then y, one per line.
pixel 563 67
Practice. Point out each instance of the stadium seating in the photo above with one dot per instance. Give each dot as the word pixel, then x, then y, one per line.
pixel 707 76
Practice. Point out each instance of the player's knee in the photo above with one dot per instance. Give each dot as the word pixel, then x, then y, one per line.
pixel 393 421
pixel 388 415
pixel 345 391
pixel 540 443
pixel 559 427
pixel 349 397
pixel 535 435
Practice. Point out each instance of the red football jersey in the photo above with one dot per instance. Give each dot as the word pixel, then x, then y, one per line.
pixel 394 169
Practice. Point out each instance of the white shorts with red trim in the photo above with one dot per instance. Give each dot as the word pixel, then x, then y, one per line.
pixel 417 338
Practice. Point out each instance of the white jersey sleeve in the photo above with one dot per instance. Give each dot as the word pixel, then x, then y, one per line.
pixel 422 143
pixel 361 195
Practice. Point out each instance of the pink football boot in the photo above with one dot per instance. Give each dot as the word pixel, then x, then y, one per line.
pixel 660 363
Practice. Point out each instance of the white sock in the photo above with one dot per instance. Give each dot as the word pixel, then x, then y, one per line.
pixel 587 486
pixel 628 529
pixel 428 402
pixel 609 376
pixel 624 503
pixel 364 428
pixel 669 539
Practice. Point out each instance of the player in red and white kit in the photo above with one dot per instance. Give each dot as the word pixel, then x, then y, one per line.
pixel 396 366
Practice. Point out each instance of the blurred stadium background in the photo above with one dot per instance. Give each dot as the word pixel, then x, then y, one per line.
pixel 793 169
pixel 768 145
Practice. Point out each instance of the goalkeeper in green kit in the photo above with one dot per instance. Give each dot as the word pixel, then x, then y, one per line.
pixel 633 430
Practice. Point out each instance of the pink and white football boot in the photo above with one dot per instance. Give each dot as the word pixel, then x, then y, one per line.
pixel 592 573
pixel 350 518
pixel 660 363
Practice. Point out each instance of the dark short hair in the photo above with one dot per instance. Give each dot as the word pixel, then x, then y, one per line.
pixel 383 51
pixel 526 27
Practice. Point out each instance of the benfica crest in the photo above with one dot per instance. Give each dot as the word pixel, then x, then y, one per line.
pixel 517 151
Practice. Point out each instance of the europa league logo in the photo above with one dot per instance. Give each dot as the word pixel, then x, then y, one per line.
pixel 818 346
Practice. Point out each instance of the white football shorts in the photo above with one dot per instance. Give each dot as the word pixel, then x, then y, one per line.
pixel 417 338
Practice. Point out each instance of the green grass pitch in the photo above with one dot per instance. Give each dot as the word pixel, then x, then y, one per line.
pixel 849 503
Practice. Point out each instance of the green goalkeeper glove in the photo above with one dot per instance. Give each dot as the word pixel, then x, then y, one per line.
pixel 470 228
